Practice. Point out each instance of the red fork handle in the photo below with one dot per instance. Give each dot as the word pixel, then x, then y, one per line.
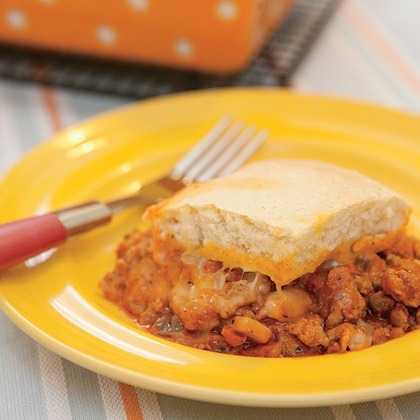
pixel 25 238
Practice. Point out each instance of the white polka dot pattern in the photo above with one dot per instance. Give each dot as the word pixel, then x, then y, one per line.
pixel 139 5
pixel 227 10
pixel 106 35
pixel 208 36
pixel 16 18
pixel 184 47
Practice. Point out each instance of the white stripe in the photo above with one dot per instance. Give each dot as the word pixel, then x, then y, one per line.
pixel 54 385
pixel 343 412
pixel 400 48
pixel 353 76
pixel 357 71
pixel 391 78
pixel 110 393
pixel 149 404
pixel 389 409
pixel 10 146
pixel 382 82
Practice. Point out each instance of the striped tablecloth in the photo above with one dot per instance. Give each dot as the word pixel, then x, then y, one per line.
pixel 369 51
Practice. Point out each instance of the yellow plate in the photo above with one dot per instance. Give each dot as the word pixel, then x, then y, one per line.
pixel 58 303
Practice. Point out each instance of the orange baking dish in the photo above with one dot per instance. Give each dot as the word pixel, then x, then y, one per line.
pixel 207 35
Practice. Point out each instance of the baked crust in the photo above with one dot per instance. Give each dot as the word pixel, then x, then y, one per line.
pixel 283 217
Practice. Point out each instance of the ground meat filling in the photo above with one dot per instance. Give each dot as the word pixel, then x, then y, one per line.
pixel 201 303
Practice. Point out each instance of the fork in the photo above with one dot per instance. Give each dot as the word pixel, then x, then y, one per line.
pixel 222 150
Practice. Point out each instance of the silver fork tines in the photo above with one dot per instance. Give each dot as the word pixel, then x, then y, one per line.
pixel 221 150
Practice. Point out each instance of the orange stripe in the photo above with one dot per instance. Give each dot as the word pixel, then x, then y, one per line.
pixel 50 103
pixel 381 47
pixel 131 403
pixel 48 98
